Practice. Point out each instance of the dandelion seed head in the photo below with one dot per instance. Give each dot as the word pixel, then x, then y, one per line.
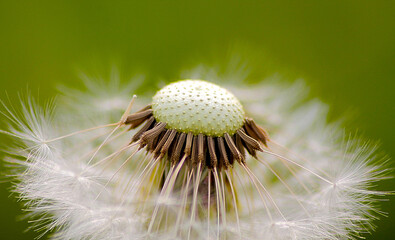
pixel 151 176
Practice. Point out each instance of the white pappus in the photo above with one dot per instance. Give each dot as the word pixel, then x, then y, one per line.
pixel 93 166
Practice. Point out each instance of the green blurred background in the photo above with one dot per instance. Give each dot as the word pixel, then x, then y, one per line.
pixel 345 50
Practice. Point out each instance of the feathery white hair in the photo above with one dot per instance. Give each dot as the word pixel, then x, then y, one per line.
pixel 310 183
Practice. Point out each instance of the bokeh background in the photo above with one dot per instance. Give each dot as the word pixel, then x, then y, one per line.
pixel 345 50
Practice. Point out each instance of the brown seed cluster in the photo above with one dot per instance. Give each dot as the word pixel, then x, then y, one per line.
pixel 211 152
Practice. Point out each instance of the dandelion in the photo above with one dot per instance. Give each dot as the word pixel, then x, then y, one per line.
pixel 195 162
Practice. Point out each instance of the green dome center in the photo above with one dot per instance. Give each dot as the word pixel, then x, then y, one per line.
pixel 199 107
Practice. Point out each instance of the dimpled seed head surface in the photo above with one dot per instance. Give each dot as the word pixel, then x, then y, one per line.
pixel 199 107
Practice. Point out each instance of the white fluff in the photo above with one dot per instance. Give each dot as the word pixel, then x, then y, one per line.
pixel 84 197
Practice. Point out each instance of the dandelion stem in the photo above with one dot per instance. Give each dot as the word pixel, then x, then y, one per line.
pixel 180 215
pixel 259 192
pixel 266 191
pixel 208 204
pixel 234 202
pixel 297 164
pixel 128 109
pixel 119 169
pixel 219 201
pixel 285 184
pixel 103 143
pixel 111 155
pixel 224 203
pixel 81 131
pixel 300 157
pixel 195 191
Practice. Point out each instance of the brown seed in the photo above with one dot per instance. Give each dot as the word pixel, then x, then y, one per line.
pixel 249 140
pixel 224 160
pixel 201 148
pixel 240 147
pixel 232 147
pixel 211 150
pixel 261 134
pixel 160 144
pixel 138 116
pixel 176 153
pixel 146 126
pixel 152 133
pixel 188 145
pixel 194 156
pixel 168 142
pixel 151 144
